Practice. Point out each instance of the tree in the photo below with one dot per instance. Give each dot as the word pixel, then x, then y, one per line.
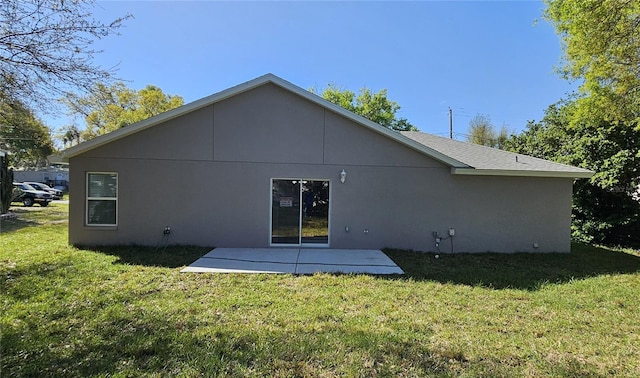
pixel 109 108
pixel 599 128
pixel 605 209
pixel 70 136
pixel 26 139
pixel 46 49
pixel 482 131
pixel 373 106
pixel 6 183
pixel 601 42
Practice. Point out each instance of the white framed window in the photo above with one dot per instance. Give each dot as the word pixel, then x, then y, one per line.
pixel 102 199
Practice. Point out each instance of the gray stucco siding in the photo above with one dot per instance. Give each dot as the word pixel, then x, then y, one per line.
pixel 268 124
pixel 399 207
pixel 189 137
pixel 352 144
pixel 510 214
pixel 499 214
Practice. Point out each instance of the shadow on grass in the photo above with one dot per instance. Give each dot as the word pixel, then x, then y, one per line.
pixel 172 256
pixel 519 271
pixel 14 224
pixel 23 217
pixel 136 342
pixel 17 220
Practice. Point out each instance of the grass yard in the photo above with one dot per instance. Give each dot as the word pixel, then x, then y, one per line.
pixel 129 312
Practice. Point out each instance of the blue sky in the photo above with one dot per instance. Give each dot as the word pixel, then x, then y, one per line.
pixel 488 57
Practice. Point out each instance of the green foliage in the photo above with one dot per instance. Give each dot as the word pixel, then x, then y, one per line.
pixel 128 311
pixel 27 140
pixel 109 108
pixel 606 208
pixel 546 139
pixel 598 129
pixel 373 106
pixel 482 132
pixel 601 41
pixel 69 135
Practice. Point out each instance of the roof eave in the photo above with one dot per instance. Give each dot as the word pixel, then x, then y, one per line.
pixel 522 173
pixel 57 159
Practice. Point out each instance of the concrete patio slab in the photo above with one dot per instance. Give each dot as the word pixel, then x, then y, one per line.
pixel 294 261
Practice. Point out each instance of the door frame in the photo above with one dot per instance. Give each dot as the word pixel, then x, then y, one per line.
pixel 300 243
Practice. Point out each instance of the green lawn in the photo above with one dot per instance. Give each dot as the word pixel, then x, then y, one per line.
pixel 129 312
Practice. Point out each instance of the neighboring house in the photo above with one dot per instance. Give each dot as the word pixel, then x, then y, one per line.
pixel 54 177
pixel 267 163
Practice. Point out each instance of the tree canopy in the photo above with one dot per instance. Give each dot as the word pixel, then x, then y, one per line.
pixel 109 108
pixel 601 42
pixel 46 49
pixel 373 106
pixel 482 131
pixel 23 136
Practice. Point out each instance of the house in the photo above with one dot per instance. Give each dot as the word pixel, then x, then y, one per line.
pixel 267 163
pixel 57 177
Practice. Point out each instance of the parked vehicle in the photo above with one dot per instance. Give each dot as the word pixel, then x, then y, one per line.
pixel 29 195
pixel 57 194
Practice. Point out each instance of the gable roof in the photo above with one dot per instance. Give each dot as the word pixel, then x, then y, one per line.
pixel 463 158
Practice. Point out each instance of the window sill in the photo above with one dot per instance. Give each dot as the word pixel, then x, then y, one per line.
pixel 100 228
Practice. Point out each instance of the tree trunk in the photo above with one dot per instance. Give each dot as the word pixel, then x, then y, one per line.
pixel 6 184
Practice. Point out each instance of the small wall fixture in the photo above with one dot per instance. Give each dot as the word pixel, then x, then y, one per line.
pixel 343 176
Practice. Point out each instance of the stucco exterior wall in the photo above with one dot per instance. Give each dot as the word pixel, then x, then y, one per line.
pixel 222 158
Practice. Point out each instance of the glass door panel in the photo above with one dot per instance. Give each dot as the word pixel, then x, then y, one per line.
pixel 285 212
pixel 299 211
pixel 315 212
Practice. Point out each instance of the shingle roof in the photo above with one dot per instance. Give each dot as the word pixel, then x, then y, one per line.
pixel 484 160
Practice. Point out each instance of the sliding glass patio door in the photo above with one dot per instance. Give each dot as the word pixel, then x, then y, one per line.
pixel 299 212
